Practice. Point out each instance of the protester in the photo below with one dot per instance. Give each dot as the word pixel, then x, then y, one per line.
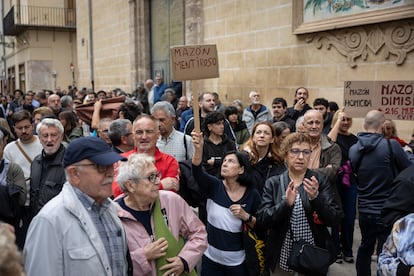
pixel 70 125
pixel 300 106
pixel 78 231
pixel 121 135
pixel 22 152
pixel 12 187
pixel 264 155
pixel 256 112
pixel 400 200
pixel 239 127
pixel 144 210
pixel 47 175
pixel 282 130
pixel 230 202
pixel 297 204
pixel 146 132
pixel 396 257
pixel 343 234
pixel 216 143
pixel 376 161
pixel 171 141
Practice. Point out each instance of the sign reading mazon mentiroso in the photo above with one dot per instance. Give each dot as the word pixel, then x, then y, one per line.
pixel 394 98
pixel 194 62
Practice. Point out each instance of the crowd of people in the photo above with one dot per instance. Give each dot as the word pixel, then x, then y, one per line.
pixel 140 191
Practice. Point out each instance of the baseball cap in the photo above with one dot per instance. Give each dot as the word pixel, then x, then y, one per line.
pixel 92 148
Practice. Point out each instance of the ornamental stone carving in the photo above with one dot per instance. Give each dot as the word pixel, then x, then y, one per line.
pixel 396 39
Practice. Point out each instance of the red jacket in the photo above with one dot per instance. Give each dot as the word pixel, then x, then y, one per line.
pixel 165 163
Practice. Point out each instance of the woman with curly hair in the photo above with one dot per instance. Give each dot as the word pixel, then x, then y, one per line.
pixel 72 130
pixel 263 153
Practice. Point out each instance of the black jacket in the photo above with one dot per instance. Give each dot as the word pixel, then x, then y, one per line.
pixel 400 202
pixel 217 151
pixel 274 214
pixel 47 179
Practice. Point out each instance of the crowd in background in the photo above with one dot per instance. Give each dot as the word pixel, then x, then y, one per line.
pixel 286 171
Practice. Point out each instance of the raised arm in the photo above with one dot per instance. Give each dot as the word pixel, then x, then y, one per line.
pixel 333 134
pixel 198 142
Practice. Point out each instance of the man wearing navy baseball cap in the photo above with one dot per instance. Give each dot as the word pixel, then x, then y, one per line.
pixel 78 231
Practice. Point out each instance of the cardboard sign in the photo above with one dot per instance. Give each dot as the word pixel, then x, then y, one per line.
pixel 194 62
pixel 394 98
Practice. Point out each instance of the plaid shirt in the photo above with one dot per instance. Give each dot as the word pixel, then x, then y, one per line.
pixel 110 234
pixel 174 145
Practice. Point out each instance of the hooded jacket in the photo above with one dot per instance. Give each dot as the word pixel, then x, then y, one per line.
pixel 376 167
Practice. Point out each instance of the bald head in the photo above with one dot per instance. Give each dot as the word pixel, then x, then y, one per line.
pixel 373 121
pixel 313 123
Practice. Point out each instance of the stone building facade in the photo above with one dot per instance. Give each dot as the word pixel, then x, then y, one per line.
pixel 256 48
pixel 121 43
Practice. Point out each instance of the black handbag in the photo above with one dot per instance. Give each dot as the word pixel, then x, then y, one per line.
pixel 309 259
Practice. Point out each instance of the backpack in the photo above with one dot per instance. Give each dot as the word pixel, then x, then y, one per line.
pixel 189 189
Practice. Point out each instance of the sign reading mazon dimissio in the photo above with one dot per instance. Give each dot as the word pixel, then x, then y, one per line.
pixel 394 98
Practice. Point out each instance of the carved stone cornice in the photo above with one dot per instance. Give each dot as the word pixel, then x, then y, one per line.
pixel 396 38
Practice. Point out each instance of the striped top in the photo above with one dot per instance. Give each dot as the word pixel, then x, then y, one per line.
pixel 224 231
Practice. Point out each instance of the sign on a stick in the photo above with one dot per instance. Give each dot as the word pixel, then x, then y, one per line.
pixel 194 62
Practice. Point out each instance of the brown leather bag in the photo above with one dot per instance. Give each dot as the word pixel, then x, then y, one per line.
pixel 109 109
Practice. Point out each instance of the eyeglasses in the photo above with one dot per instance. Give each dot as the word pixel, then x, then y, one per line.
pixel 154 177
pixel 99 168
pixel 297 152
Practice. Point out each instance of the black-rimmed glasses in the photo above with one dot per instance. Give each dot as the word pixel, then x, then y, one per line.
pixel 154 177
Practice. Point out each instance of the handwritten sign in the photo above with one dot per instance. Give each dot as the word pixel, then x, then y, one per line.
pixel 394 98
pixel 194 62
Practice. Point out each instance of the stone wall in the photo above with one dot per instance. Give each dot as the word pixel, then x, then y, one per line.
pixel 257 50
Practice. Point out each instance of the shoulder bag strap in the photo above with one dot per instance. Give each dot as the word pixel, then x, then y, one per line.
pixel 23 152
pixel 391 159
pixel 185 146
pixel 162 230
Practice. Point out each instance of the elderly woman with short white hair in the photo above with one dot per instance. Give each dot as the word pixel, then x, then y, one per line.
pixel 163 232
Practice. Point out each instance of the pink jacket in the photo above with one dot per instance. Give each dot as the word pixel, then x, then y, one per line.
pixel 182 221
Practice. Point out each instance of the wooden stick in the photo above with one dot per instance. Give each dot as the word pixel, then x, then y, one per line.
pixel 196 108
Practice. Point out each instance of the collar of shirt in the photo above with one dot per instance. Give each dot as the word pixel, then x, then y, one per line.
pixel 169 138
pixel 89 203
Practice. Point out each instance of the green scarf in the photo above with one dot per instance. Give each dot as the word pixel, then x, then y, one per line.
pixel 174 246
